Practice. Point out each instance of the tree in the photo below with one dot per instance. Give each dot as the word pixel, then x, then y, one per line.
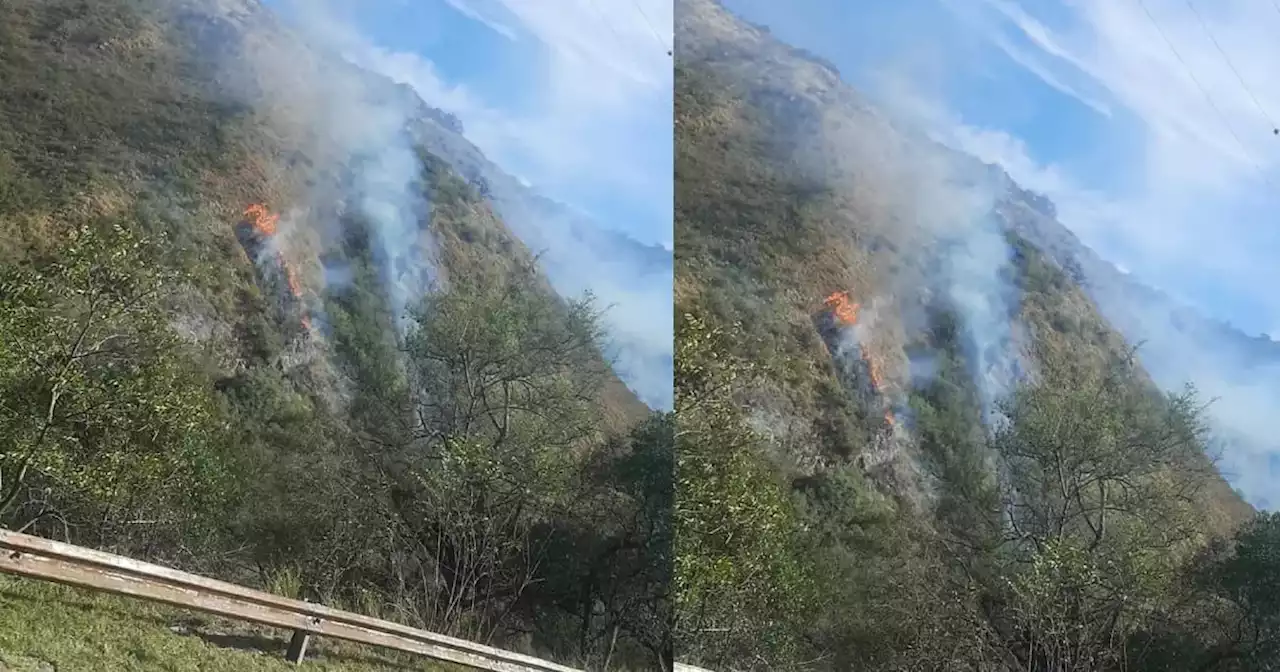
pixel 640 552
pixel 1100 477
pixel 739 583
pixel 609 563
pixel 502 389
pixel 1247 578
pixel 99 411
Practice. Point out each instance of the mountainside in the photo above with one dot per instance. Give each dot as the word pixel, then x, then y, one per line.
pixel 870 208
pixel 578 255
pixel 911 437
pixel 253 77
pixel 260 319
pixel 1238 372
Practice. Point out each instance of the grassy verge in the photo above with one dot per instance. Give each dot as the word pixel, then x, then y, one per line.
pixel 47 628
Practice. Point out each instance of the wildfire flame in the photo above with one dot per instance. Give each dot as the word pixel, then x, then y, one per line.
pixel 846 311
pixel 264 223
pixel 872 368
pixel 295 286
pixel 877 382
pixel 290 276
pixel 263 220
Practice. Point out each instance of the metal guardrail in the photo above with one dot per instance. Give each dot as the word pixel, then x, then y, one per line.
pixel 39 558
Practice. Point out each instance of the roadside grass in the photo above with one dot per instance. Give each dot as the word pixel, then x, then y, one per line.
pixel 52 628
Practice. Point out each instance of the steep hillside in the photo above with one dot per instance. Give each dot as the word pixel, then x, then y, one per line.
pixel 255 321
pixel 578 255
pixel 832 197
pixel 1240 373
pixel 906 419
pixel 205 109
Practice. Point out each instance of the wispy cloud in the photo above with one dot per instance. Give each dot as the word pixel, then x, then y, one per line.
pixel 1201 199
pixel 469 10
pixel 1032 64
pixel 605 114
pixel 1159 60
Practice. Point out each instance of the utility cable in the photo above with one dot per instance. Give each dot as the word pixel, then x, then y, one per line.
pixel 1205 92
pixel 656 36
pixel 1204 25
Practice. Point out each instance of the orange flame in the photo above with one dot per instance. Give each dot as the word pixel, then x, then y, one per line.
pixel 295 286
pixel 877 383
pixel 263 220
pixel 290 276
pixel 846 311
pixel 873 368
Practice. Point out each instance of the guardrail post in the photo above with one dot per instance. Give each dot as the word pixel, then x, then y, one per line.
pixel 298 646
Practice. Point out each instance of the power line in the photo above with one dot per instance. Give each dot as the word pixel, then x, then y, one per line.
pixel 595 8
pixel 604 19
pixel 1205 92
pixel 656 36
pixel 1204 25
pixel 1276 5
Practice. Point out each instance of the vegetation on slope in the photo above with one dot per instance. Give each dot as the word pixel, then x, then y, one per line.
pixel 484 474
pixel 1087 531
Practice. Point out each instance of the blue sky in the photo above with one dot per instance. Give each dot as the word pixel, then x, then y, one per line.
pixel 572 96
pixel 1157 156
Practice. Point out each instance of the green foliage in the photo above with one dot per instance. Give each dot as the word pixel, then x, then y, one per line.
pixel 100 402
pixel 1100 478
pixel 1245 580
pixel 1089 448
pixel 610 558
pixel 645 475
pixel 1061 540
pixel 1251 577
pixel 953 445
pixel 494 359
pixel 365 349
pixel 480 492
pixel 500 396
pixel 477 474
pixel 1076 535
pixel 740 588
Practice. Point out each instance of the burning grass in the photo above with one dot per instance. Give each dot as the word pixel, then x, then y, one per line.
pixel 261 219
pixel 844 313
pixel 258 236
